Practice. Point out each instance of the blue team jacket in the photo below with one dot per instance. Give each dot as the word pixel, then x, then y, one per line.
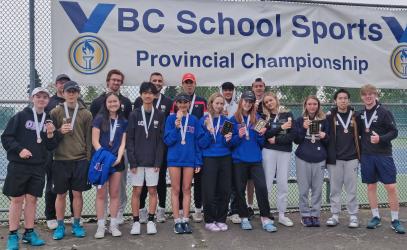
pixel 207 143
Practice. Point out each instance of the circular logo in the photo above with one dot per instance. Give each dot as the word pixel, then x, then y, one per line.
pixel 88 54
pixel 398 61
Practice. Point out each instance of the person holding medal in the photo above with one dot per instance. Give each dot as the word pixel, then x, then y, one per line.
pixel 312 131
pixel 71 158
pixel 109 132
pixel 247 159
pixel 145 149
pixel 217 164
pixel 28 136
pixel 377 129
pixel 277 149
pixel 343 158
pixel 183 158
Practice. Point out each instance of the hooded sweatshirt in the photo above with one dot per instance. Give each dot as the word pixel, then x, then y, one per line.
pixel 209 146
pixel 20 133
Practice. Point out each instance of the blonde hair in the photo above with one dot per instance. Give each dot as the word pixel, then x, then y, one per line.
pixel 319 114
pixel 239 113
pixel 211 100
pixel 279 108
pixel 368 88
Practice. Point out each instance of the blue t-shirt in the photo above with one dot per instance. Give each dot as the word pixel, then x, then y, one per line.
pixel 104 136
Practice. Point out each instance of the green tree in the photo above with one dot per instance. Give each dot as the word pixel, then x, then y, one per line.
pixel 91 94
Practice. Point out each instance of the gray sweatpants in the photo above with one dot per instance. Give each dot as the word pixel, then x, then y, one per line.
pixel 276 164
pixel 344 173
pixel 310 176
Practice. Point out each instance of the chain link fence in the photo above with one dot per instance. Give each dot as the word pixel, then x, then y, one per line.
pixel 15 82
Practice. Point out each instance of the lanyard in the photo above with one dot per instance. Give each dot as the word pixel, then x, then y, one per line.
pixel 112 130
pixel 184 130
pixel 157 105
pixel 217 125
pixel 345 126
pixel 369 123
pixel 192 104
pixel 247 126
pixel 38 127
pixel 75 112
pixel 143 113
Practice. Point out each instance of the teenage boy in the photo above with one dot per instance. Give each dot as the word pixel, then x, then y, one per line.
pixel 198 109
pixel 70 168
pixel 162 103
pixel 145 152
pixel 26 139
pixel 377 128
pixel 343 158
pixel 228 92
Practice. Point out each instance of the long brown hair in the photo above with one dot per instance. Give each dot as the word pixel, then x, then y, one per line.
pixel 319 114
pixel 211 100
pixel 239 113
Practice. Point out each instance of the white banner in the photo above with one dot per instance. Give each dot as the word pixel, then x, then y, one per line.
pixel 285 43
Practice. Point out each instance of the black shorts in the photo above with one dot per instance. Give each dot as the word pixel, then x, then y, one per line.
pixel 70 175
pixel 24 179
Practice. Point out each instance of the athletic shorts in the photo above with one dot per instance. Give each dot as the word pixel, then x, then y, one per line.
pixel 376 168
pixel 24 179
pixel 70 175
pixel 147 174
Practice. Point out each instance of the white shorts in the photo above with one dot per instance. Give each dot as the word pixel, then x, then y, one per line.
pixel 147 174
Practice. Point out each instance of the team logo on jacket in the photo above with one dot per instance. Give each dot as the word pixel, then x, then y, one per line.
pixel 31 125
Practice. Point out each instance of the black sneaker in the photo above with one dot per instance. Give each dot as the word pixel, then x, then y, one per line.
pixel 306 221
pixel 186 227
pixel 315 221
pixel 178 228
pixel 250 213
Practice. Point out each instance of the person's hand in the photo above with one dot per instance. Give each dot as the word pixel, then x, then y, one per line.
pixel 25 154
pixel 65 128
pixel 228 137
pixel 50 128
pixel 116 163
pixel 133 170
pixel 263 131
pixel 242 132
pixel 208 125
pixel 306 123
pixel 272 140
pixel 322 134
pixel 156 169
pixel 374 138
pixel 286 125
pixel 225 112
pixel 197 170
pixel 178 123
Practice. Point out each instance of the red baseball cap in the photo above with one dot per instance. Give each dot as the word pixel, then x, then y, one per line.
pixel 188 76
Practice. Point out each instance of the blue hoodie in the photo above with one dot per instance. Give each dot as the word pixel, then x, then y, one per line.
pixel 246 151
pixel 207 143
pixel 188 155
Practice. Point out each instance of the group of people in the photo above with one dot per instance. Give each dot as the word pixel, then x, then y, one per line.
pixel 225 146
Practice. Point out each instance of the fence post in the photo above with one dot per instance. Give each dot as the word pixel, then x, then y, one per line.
pixel 32 45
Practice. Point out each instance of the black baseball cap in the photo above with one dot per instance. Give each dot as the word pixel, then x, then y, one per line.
pixel 71 85
pixel 62 77
pixel 228 86
pixel 249 96
pixel 148 87
pixel 182 97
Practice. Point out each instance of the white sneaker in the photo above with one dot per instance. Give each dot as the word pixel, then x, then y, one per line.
pixel 353 223
pixel 52 224
pixel 135 229
pixel 197 216
pixel 235 219
pixel 161 215
pixel 285 221
pixel 332 222
pixel 114 230
pixel 151 228
pixel 100 232
pixel 143 216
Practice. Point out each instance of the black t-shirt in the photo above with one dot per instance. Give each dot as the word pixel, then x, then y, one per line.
pixel 345 142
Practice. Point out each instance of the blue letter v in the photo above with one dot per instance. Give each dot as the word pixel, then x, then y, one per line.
pixel 396 29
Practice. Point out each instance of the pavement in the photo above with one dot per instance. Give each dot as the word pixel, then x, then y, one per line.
pixel 297 237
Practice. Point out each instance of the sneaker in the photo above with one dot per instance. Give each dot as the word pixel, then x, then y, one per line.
pixel 306 221
pixel 245 224
pixel 78 231
pixel 143 215
pixel 100 232
pixel 52 224
pixel 332 222
pixel 151 228
pixel 80 221
pixel 285 221
pixel 12 242
pixel 33 239
pixel 315 221
pixel 235 219
pixel 178 229
pixel 212 227
pixel 197 216
pixel 374 223
pixel 187 227
pixel 353 223
pixel 251 212
pixel 161 215
pixel 269 226
pixel 397 227
pixel 222 226
pixel 120 218
pixel 59 232
pixel 114 230
pixel 135 229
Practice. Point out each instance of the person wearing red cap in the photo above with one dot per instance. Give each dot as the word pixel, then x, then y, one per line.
pixel 198 109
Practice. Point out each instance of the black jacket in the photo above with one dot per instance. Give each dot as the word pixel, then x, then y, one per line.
pixel 20 133
pixel 337 131
pixel 142 151
pixel 97 104
pixel 165 104
pixel 284 139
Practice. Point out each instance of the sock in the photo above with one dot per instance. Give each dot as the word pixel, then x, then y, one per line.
pixel 76 221
pixel 13 232
pixel 29 230
pixel 136 218
pixel 281 215
pixel 394 215
pixel 113 221
pixel 101 223
pixel 60 222
pixel 375 212
pixel 150 217
pixel 161 207
pixel 335 216
pixel 179 220
pixel 185 219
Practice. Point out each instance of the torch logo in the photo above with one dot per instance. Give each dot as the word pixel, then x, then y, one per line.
pixel 398 61
pixel 88 54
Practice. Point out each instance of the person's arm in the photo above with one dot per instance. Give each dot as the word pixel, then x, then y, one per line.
pixel 159 154
pixel 120 153
pixel 88 136
pixel 300 131
pixel 172 133
pixel 204 136
pixel 236 136
pixel 8 138
pixel 95 138
pixel 391 129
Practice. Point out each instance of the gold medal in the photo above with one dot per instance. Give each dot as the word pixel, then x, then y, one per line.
pixel 39 140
